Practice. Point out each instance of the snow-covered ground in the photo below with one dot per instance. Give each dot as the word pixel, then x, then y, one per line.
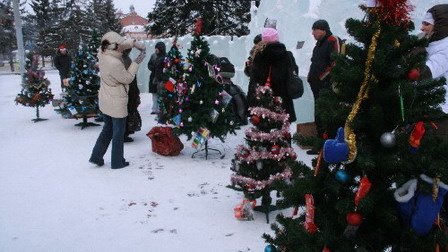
pixel 53 199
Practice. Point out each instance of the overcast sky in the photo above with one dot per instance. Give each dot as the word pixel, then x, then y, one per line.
pixel 142 7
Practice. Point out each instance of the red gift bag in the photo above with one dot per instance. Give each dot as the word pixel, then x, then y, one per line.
pixel 164 141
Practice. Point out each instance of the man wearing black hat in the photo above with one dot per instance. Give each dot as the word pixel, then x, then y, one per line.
pixel 63 62
pixel 321 65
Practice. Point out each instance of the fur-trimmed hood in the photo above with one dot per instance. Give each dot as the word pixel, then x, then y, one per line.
pixel 440 14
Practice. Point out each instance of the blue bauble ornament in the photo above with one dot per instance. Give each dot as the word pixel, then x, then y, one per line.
pixel 270 248
pixel 342 176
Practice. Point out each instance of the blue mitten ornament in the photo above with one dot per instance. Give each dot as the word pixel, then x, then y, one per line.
pixel 336 150
pixel 419 210
pixel 406 200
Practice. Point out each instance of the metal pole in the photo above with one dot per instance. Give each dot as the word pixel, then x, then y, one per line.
pixel 19 36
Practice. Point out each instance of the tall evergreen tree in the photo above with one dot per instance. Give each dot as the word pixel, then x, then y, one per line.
pixel 174 17
pixel 47 20
pixel 101 16
pixel 75 28
pixel 351 198
pixel 7 30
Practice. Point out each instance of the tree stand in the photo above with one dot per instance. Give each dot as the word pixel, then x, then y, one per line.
pixel 207 149
pixel 85 124
pixel 266 206
pixel 38 119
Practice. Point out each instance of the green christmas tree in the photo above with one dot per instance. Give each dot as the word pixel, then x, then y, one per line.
pixel 94 44
pixel 201 104
pixel 35 91
pixel 265 162
pixel 380 183
pixel 81 99
pixel 175 92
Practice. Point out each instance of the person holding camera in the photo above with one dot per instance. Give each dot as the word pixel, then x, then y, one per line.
pixel 113 96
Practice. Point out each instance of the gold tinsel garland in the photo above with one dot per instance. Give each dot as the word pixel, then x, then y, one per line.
pixel 350 136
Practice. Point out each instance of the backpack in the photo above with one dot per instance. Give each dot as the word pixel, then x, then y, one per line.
pixel 239 102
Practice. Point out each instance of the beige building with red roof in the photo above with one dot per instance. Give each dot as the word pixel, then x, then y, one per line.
pixel 133 25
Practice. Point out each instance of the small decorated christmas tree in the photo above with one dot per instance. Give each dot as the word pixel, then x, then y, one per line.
pixel 379 185
pixel 175 91
pixel 268 156
pixel 81 98
pixel 35 91
pixel 198 103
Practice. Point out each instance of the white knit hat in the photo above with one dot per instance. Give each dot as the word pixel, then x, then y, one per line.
pixel 428 18
pixel 115 38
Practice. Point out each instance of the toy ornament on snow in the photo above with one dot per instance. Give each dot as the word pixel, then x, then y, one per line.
pixel 244 211
pixel 418 209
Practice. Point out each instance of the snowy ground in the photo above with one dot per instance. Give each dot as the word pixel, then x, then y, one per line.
pixel 52 199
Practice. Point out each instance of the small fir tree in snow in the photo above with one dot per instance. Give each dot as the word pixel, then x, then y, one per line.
pixel 380 184
pixel 203 101
pixel 176 89
pixel 268 156
pixel 81 98
pixel 35 91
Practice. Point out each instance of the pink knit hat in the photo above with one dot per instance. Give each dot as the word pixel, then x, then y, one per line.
pixel 269 35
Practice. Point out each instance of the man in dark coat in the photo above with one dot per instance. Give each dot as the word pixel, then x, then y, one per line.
pixel 133 102
pixel 270 53
pixel 63 62
pixel 321 65
pixel 155 65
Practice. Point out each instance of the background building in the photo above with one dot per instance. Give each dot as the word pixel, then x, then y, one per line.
pixel 133 24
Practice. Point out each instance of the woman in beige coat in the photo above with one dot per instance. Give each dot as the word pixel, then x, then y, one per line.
pixel 113 96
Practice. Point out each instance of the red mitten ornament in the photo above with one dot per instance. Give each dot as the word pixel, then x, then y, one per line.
pixel 416 135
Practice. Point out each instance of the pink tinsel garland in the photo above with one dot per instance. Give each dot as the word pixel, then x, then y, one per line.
pixel 266 113
pixel 255 155
pixel 260 185
pixel 255 135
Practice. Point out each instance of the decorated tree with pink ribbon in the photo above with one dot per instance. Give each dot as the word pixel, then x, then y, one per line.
pixel 263 163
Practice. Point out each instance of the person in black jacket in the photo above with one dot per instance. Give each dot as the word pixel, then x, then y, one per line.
pixel 271 54
pixel 155 65
pixel 133 102
pixel 321 65
pixel 63 62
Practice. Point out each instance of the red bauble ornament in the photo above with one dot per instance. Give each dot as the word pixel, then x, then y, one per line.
pixel 275 149
pixel 354 219
pixel 255 119
pixel 287 135
pixel 326 249
pixel 324 135
pixel 278 100
pixel 176 61
pixel 245 153
pixel 413 74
